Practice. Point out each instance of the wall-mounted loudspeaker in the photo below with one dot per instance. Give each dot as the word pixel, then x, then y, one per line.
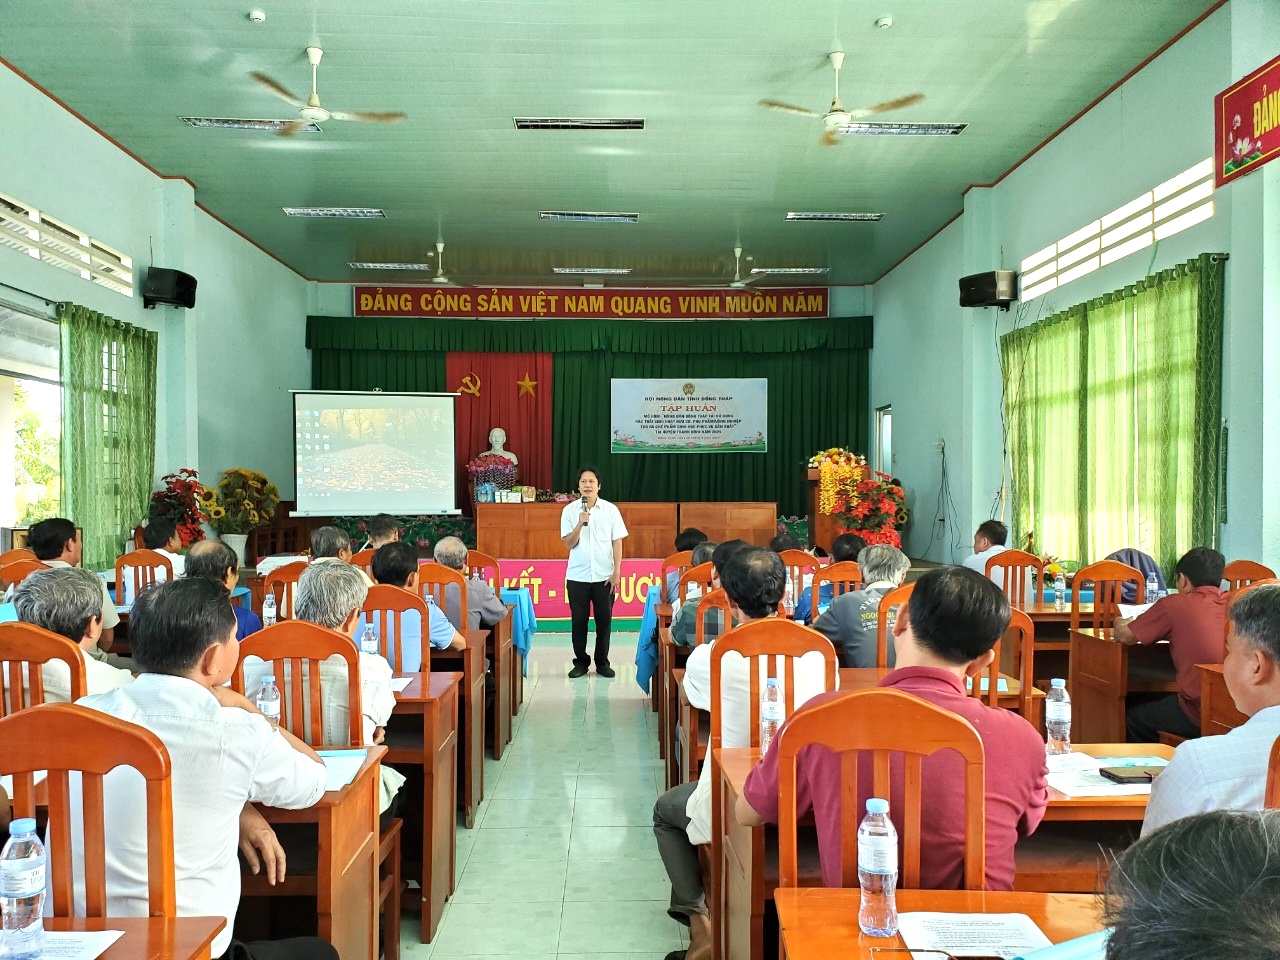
pixel 995 288
pixel 170 287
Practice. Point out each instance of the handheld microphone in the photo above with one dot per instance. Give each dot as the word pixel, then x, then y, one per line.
pixel 587 521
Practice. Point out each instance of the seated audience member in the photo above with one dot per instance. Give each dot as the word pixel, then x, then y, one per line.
pixel 331 595
pixel 484 607
pixel 684 622
pixel 381 530
pixel 686 613
pixel 1192 620
pixel 850 621
pixel 1230 772
pixel 753 578
pixel 988 541
pixel 161 536
pixel 1203 888
pixel 847 546
pixel 332 545
pixel 396 565
pixel 214 560
pixel 944 633
pixel 686 539
pixel 68 602
pixel 225 757
pixel 56 542
pixel 785 541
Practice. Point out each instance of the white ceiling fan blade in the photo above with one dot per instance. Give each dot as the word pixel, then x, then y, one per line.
pixel 365 116
pixel 278 89
pixel 788 108
pixel 910 100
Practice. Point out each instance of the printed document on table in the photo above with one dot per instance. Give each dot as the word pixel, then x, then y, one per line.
pixel 81 945
pixel 398 684
pixel 1092 946
pixel 1131 610
pixel 341 766
pixel 1076 775
pixel 1006 935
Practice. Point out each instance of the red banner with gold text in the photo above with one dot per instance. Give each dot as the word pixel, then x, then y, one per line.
pixel 1246 122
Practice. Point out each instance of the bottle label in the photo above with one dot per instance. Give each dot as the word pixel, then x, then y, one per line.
pixel 1057 711
pixel 271 710
pixel 22 878
pixel 771 712
pixel 877 854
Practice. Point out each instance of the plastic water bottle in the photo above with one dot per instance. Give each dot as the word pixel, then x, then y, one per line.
pixel 22 873
pixel 770 712
pixel 268 699
pixel 1059 593
pixel 269 609
pixel 369 641
pixel 1057 719
pixel 1153 587
pixel 789 600
pixel 877 871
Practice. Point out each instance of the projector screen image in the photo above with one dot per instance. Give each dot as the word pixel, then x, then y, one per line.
pixel 366 453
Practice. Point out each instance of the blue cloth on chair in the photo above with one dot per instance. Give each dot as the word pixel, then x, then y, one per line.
pixel 524 624
pixel 1145 564
pixel 647 645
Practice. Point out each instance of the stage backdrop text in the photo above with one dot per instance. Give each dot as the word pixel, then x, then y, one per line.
pixel 689 416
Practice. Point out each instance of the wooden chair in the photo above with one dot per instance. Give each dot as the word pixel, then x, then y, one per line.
pixel 24 650
pixel 297 649
pixel 1021 575
pixel 679 563
pixel 669 659
pixel 384 606
pixel 12 574
pixel 711 600
pixel 490 572
pixel 364 560
pixel 1021 634
pixel 63 738
pixel 843 577
pixel 798 563
pixel 434 580
pixel 889 605
pixel 1107 577
pixel 1237 573
pixel 1271 798
pixel 281 583
pixel 144 568
pixel 139 542
pixel 883 723
pixel 700 575
pixel 13 556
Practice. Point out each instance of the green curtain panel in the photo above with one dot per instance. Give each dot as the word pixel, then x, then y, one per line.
pixel 817 372
pixel 1114 412
pixel 108 371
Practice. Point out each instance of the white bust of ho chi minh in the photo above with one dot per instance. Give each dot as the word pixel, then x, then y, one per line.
pixel 498 437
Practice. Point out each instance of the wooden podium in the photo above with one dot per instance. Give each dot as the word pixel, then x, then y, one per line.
pixel 822 529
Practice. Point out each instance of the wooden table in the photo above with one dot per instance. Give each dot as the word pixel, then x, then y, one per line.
pixel 1218 713
pixel 816 924
pixel 424 732
pixel 155 938
pixel 346 882
pixel 499 648
pixel 671 661
pixel 1103 672
pixel 470 660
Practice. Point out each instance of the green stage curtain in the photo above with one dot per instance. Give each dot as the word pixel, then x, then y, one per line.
pixel 817 372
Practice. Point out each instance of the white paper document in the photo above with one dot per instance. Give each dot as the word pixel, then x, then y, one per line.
pixel 1092 946
pixel 1076 775
pixel 341 766
pixel 1131 610
pixel 398 684
pixel 81 945
pixel 1006 935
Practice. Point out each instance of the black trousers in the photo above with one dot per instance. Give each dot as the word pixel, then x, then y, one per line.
pixel 587 600
pixel 299 948
pixel 1144 721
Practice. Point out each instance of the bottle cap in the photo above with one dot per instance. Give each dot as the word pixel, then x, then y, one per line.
pixel 771 682
pixel 269 678
pixel 876 805
pixel 23 825
pixel 1058 682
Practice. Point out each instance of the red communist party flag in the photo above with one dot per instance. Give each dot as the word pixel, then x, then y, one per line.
pixel 507 390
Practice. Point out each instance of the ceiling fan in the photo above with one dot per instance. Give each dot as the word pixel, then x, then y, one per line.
pixel 836 116
pixel 311 110
pixel 441 278
pixel 738 282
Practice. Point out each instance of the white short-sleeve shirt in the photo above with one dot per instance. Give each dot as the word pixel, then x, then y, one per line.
pixel 592 559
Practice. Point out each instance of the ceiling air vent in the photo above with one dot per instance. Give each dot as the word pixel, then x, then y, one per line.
pixel 884 128
pixel 589 216
pixel 794 215
pixel 239 123
pixel 579 123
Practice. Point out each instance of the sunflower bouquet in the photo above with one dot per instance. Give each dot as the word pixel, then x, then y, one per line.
pixel 243 499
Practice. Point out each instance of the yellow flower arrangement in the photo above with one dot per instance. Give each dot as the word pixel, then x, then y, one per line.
pixel 245 499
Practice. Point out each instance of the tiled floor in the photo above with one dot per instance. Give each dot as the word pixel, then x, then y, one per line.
pixel 562 863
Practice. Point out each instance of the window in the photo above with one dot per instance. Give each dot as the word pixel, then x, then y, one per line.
pixel 35 233
pixel 884 439
pixel 30 417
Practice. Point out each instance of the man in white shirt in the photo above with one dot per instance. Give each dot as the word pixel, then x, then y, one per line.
pixel 224 755
pixel 68 601
pixel 1230 772
pixel 987 542
pixel 754 579
pixel 593 531
pixel 332 545
pixel 56 542
pixel 161 536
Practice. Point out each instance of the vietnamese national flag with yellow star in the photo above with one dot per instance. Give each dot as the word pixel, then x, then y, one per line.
pixel 507 390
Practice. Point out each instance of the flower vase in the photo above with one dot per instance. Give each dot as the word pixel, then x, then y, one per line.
pixel 237 542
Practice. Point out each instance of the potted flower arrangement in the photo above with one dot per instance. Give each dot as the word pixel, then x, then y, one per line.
pixel 865 501
pixel 497 472
pixel 180 502
pixel 244 499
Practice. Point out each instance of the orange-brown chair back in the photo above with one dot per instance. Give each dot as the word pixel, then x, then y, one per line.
pixel 434 580
pixel 63 738
pixel 293 652
pixel 1237 573
pixel 1271 798
pixel 139 542
pixel 843 577
pixel 385 607
pixel 679 564
pixel 798 563
pixel 490 572
pixel 364 560
pixel 1021 635
pixel 13 556
pixel 712 599
pixel 282 582
pixel 1021 574
pixel 701 575
pixel 1108 578
pixel 883 723
pixel 24 649
pixel 143 568
pixel 12 574
pixel 886 616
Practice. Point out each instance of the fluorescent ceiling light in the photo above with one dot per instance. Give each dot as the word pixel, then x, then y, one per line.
pixel 579 123
pixel 590 271
pixel 883 128
pixel 389 266
pixel 240 123
pixel 794 215
pixel 589 216
pixel 351 213
pixel 791 270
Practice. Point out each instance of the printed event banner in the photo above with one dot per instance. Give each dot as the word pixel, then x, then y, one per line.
pixel 571 302
pixel 689 416
pixel 545 580
pixel 1246 122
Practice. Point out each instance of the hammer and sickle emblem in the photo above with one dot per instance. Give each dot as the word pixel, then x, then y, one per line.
pixel 470 384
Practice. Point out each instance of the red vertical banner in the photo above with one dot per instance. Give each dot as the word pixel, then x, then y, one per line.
pixel 507 390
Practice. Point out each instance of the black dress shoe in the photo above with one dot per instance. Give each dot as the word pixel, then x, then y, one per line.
pixel 675 955
pixel 605 671
pixel 577 672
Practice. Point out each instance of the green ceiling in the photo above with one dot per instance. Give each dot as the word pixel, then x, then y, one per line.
pixel 711 168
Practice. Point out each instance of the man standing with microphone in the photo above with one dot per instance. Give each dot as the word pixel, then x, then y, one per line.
pixel 593 531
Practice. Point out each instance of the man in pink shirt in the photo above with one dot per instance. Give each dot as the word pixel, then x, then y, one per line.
pixel 943 634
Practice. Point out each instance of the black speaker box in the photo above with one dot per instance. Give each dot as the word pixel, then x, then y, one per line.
pixel 995 288
pixel 171 287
